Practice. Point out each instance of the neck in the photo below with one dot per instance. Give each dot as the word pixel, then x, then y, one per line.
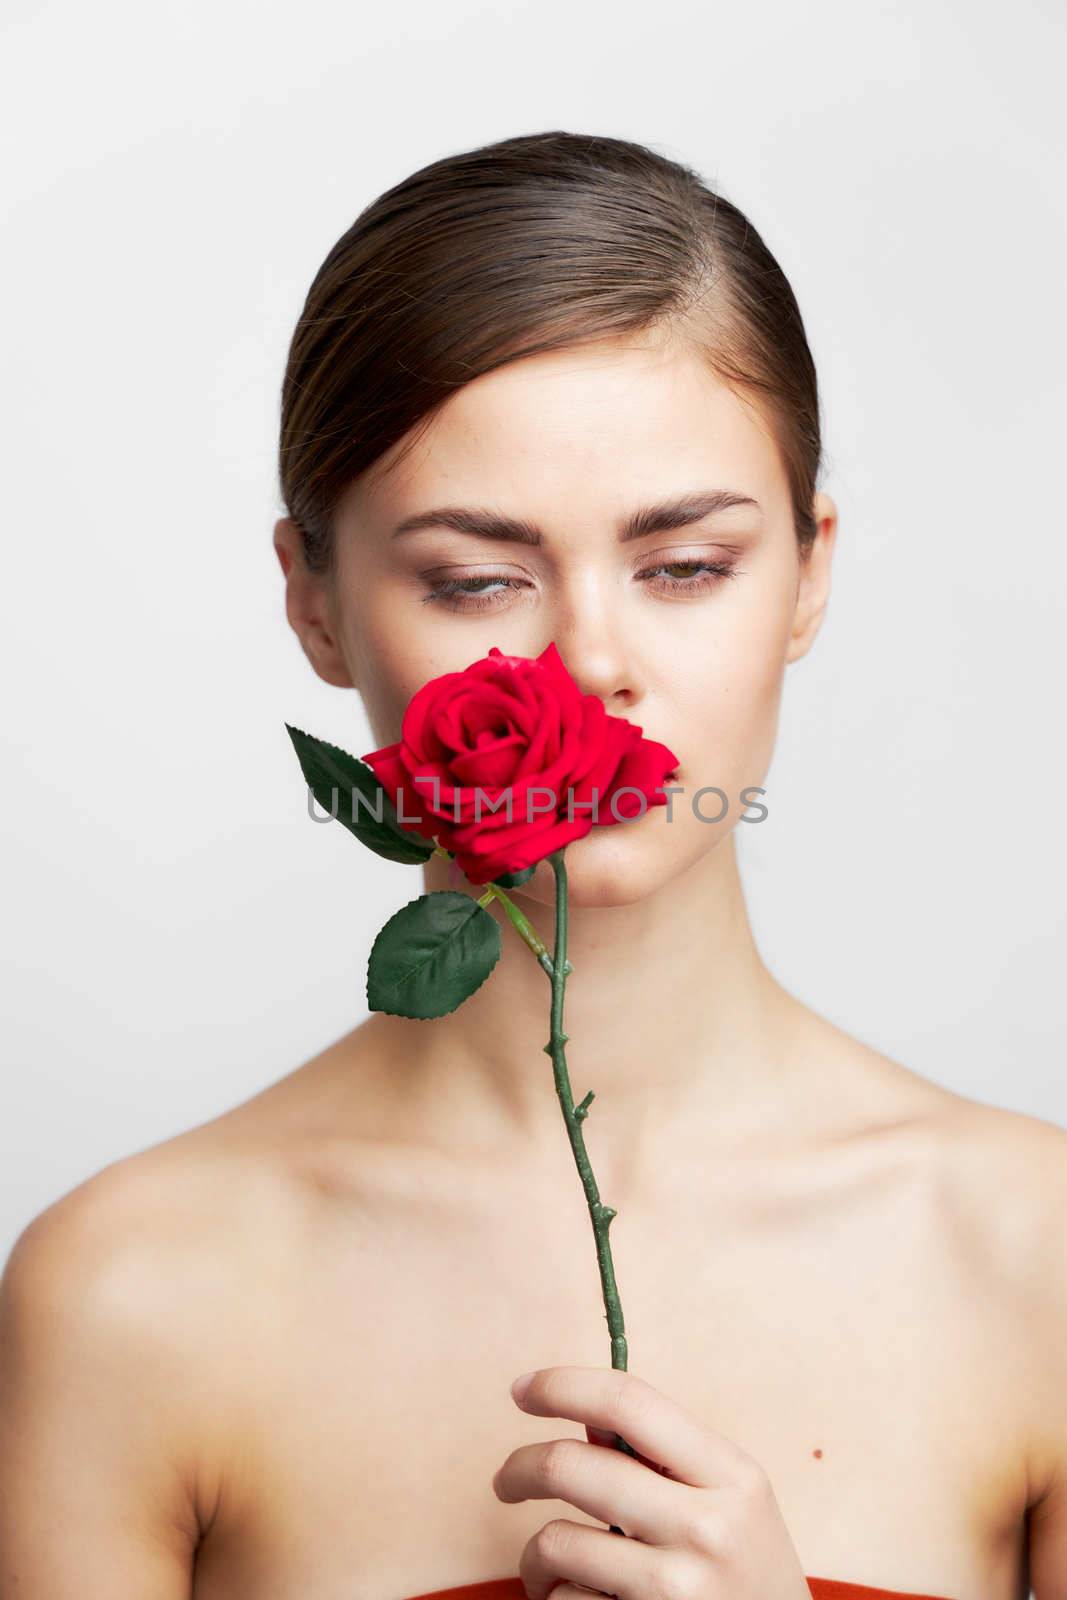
pixel 673 1020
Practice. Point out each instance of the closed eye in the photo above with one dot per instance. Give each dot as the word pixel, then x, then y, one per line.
pixel 457 595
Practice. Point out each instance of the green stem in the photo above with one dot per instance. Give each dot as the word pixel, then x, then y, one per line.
pixel 558 967
pixel 523 928
pixel 600 1214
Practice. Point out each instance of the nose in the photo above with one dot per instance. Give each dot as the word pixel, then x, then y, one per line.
pixel 597 649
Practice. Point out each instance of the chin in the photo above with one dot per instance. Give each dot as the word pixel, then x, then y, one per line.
pixel 607 867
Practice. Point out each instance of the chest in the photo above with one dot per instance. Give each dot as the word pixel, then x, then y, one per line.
pixel 849 1349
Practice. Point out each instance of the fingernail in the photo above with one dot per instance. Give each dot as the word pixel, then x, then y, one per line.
pixel 520 1386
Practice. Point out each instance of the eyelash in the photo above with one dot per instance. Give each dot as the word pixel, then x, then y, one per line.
pixel 450 591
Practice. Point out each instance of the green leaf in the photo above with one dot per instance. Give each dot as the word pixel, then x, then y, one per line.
pixel 327 769
pixel 431 955
pixel 511 880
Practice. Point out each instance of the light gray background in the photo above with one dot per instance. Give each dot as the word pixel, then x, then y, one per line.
pixel 176 933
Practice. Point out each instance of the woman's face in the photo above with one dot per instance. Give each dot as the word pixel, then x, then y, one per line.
pixel 684 630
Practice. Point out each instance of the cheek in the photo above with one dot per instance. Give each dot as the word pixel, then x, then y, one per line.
pixel 387 681
pixel 390 663
pixel 730 705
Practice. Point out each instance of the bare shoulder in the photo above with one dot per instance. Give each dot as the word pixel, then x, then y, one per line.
pixel 1009 1166
pixel 157 1227
pixel 173 1207
pixel 127 1304
pixel 1003 1177
pixel 134 1328
pixel 1005 1174
pixel 997 1179
pixel 1001 1180
pixel 1011 1172
pixel 999 1175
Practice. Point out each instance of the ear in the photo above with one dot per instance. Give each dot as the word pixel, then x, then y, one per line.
pixel 309 608
pixel 813 589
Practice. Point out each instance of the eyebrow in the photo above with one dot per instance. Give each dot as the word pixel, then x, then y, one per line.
pixel 660 518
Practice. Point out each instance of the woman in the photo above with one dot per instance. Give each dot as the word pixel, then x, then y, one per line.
pixel 556 390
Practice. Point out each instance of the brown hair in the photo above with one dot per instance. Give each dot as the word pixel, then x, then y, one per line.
pixel 535 243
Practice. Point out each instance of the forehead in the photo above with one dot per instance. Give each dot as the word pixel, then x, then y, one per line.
pixel 597 426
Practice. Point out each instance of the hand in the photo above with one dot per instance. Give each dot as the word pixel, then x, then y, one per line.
pixel 700 1514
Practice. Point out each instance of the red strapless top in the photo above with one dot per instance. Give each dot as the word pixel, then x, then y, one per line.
pixel 821 1589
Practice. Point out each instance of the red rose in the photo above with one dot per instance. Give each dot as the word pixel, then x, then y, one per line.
pixel 512 722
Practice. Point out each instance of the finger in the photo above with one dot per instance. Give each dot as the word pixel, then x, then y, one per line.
pixel 651 1423
pixel 606 1484
pixel 601 1436
pixel 592 1557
